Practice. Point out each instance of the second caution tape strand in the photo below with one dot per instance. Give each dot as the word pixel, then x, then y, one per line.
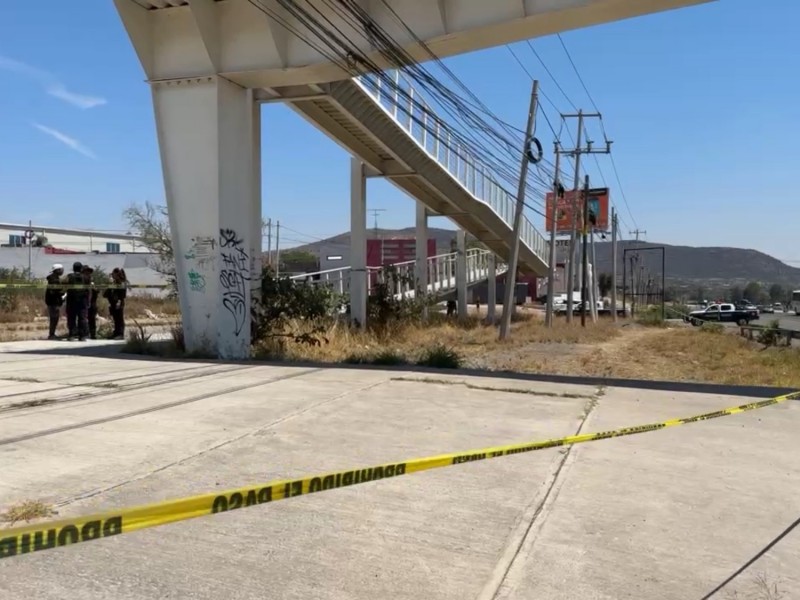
pixel 63 532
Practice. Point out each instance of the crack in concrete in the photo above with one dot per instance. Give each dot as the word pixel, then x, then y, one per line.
pixel 185 459
pixel 498 580
pixel 510 390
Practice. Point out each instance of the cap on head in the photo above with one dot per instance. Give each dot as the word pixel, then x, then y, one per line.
pixel 77 266
pixel 58 267
pixel 87 269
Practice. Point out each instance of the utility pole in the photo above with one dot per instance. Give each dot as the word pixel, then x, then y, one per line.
pixel 269 241
pixel 614 264
pixel 511 274
pixel 277 249
pixel 29 237
pixel 576 153
pixel 636 278
pixel 585 257
pixel 594 293
pixel 375 212
pixel 558 192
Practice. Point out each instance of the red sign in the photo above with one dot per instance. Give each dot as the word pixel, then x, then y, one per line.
pixel 598 205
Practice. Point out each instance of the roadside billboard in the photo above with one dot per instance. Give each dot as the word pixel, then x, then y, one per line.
pixel 598 204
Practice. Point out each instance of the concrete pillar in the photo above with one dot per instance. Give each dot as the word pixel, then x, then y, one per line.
pixel 491 300
pixel 461 273
pixel 207 136
pixel 358 243
pixel 421 267
pixel 257 234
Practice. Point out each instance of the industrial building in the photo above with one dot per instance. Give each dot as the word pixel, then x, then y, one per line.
pixel 58 239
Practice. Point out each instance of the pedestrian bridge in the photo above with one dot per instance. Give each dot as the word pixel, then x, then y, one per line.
pixel 396 133
pixel 210 64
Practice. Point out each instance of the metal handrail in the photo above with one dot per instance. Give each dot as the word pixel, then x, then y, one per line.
pixel 454 157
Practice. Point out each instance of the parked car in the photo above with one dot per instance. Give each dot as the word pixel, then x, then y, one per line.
pixel 723 313
pixel 767 309
pixel 777 307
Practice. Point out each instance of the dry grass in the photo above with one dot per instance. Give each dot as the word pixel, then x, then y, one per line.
pixel 27 511
pixel 684 354
pixel 471 339
pixel 762 587
pixel 28 311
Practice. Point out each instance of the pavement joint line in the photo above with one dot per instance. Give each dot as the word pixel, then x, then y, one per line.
pixel 108 383
pixel 530 517
pixel 510 390
pixel 185 459
pixel 89 398
pixel 143 411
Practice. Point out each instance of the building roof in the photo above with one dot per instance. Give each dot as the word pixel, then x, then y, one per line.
pixel 63 230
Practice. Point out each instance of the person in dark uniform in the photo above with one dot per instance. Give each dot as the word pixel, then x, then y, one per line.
pixel 91 310
pixel 77 304
pixel 116 302
pixel 54 298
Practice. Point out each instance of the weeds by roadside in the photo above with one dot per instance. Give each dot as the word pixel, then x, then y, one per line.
pixel 27 511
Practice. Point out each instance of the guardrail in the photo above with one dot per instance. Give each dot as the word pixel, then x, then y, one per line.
pixel 415 116
pixel 441 274
pixel 786 334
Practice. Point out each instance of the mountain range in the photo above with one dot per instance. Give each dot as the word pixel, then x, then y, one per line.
pixel 684 264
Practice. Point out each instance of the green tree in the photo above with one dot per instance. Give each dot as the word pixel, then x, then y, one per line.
pixel 700 293
pixel 753 291
pixel 604 283
pixel 736 293
pixel 777 293
pixel 295 256
pixel 151 223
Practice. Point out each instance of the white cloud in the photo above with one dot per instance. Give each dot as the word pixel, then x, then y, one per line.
pixel 50 84
pixel 65 139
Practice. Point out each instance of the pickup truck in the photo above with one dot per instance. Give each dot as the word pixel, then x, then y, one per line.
pixel 724 313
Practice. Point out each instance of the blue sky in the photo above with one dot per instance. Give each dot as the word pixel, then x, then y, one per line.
pixel 701 104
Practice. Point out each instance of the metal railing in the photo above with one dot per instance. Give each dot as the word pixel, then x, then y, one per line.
pixel 414 115
pixel 441 274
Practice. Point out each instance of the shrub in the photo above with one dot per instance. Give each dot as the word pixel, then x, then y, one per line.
pixel 440 356
pixel 292 310
pixel 651 317
pixel 770 335
pixel 713 328
pixel 385 309
pixel 138 342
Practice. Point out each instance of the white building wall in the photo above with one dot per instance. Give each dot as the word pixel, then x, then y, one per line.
pixel 75 240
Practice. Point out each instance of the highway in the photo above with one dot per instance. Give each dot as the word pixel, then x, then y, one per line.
pixel 786 320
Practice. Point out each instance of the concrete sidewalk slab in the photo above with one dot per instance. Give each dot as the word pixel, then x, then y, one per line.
pixel 672 514
pixel 666 514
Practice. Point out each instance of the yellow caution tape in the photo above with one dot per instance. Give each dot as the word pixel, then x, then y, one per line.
pixel 64 532
pixel 79 286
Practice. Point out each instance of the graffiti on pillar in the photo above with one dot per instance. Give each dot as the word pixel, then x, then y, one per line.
pixel 197 282
pixel 234 276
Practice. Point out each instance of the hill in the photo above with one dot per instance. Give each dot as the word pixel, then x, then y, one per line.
pixel 712 265
pixel 708 264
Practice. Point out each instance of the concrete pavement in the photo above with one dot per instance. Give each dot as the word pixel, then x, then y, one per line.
pixel 667 514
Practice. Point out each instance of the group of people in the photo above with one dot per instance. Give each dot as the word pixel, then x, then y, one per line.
pixel 79 293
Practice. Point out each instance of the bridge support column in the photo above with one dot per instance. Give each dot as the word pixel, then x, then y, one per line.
pixel 491 285
pixel 421 266
pixel 461 273
pixel 208 134
pixel 358 243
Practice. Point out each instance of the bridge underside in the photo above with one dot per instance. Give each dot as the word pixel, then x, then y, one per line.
pixel 248 42
pixel 211 62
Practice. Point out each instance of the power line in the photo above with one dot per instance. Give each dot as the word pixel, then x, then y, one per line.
pixel 575 68
pixel 594 105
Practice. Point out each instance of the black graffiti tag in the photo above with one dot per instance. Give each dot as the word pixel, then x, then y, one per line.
pixel 233 276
